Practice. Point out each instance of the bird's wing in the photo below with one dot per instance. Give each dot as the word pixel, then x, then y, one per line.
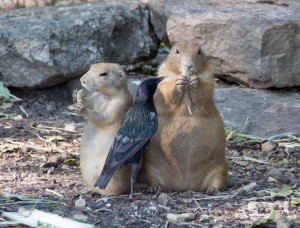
pixel 135 132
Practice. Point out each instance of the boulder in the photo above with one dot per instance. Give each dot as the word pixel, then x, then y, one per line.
pixel 251 42
pixel 40 47
pixel 270 112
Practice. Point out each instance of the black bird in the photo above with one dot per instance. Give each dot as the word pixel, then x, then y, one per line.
pixel 137 127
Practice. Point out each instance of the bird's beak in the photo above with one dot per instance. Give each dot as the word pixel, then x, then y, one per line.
pixel 161 78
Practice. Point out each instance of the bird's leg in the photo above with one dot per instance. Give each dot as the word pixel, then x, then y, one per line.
pixel 131 189
pixel 135 168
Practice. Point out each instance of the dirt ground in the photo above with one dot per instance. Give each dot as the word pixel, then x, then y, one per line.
pixel 39 156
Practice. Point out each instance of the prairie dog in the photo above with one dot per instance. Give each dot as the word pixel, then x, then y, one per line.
pixel 188 150
pixel 104 108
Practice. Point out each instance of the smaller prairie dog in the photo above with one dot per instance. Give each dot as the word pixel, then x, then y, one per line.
pixel 104 108
pixel 188 150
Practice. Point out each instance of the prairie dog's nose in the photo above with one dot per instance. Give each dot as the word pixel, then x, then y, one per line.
pixel 188 68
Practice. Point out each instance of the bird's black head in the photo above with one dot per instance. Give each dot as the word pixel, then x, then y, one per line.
pixel 147 88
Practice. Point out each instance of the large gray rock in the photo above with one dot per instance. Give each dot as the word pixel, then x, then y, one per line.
pixel 40 47
pixel 252 43
pixel 270 112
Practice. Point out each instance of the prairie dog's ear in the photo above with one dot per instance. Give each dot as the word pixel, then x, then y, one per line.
pixel 122 74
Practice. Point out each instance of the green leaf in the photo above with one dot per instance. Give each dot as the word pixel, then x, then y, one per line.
pixel 263 221
pixel 284 191
pixel 295 201
pixel 272 215
pixel 72 162
pixel 24 198
pixel 4 92
pixel 8 147
pixel 52 138
pixel 5 105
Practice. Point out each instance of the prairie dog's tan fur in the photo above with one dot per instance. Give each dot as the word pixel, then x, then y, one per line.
pixel 187 151
pixel 103 108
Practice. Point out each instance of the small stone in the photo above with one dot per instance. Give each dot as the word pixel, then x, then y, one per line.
pixel 70 127
pixel 285 161
pixel 164 207
pixel 164 199
pixel 252 206
pixel 271 180
pixel 18 117
pixel 187 200
pixel 269 146
pixel 80 218
pixel 286 206
pixel 277 174
pixel 282 222
pixel 81 203
pixel 50 106
pixel 180 217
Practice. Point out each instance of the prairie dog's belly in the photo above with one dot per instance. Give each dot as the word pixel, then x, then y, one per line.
pixel 95 145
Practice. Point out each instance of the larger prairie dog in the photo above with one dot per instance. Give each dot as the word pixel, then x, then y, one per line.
pixel 104 108
pixel 187 151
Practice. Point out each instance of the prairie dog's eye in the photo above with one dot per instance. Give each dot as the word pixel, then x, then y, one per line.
pixel 199 52
pixel 177 51
pixel 103 74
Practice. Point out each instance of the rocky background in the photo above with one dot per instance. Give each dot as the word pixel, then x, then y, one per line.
pixel 253 43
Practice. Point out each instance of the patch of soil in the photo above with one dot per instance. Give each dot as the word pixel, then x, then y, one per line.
pixel 39 156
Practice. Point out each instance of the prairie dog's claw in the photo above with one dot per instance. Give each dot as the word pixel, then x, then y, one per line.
pixel 79 108
pixel 182 81
pixel 80 95
pixel 194 82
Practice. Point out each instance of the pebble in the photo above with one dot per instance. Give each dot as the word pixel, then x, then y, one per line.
pixel 286 206
pixel 164 207
pixel 282 222
pixel 81 203
pixel 180 217
pixel 80 218
pixel 164 199
pixel 269 146
pixel 252 206
pixel 70 127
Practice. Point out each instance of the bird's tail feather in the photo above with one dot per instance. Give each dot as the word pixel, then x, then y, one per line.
pixel 105 177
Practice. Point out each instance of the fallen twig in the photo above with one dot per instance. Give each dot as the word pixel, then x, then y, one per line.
pixel 104 209
pixel 54 192
pixel 255 160
pixel 23 110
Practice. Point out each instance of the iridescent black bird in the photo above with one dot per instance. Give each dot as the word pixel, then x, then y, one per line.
pixel 137 127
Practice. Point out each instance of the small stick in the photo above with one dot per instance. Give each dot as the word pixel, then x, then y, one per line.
pixel 54 192
pixel 23 110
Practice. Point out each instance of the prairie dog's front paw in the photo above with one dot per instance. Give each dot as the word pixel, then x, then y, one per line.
pixel 79 108
pixel 182 81
pixel 194 82
pixel 80 95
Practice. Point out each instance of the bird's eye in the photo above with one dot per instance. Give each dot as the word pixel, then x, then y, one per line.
pixel 103 74
pixel 199 52
pixel 177 51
